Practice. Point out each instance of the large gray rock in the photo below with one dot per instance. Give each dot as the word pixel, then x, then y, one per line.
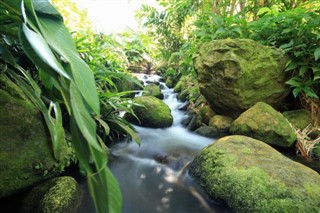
pixel 26 156
pixel 151 112
pixel 251 176
pixel 58 195
pixel 235 74
pixel 264 123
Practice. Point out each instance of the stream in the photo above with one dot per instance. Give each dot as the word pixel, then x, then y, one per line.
pixel 153 177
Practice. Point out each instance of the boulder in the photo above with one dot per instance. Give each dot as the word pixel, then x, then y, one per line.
pixel 234 74
pixel 183 95
pixel 126 84
pixel 169 82
pixel 153 90
pixel 251 176
pixel 26 156
pixel 221 123
pixel 206 113
pixel 58 195
pixel 151 112
pixel 181 84
pixel 195 123
pixel 207 131
pixel 264 123
pixel 298 118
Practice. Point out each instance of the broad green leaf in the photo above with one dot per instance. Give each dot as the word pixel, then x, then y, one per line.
pixel 317 53
pixel 310 92
pixel 103 124
pixel 59 38
pixel 293 65
pixel 295 82
pixel 44 7
pixel 131 132
pixel 42 50
pixel 6 55
pixel 296 91
pixel 111 201
pixel 263 10
pixel 80 146
pixel 57 130
pixel 84 121
pixel 303 70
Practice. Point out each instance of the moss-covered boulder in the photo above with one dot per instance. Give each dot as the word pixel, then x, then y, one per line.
pixel 207 131
pixel 26 156
pixel 195 122
pixel 127 83
pixel 169 82
pixel 298 118
pixel 183 95
pixel 206 113
pixel 264 123
pixel 221 123
pixel 235 74
pixel 151 112
pixel 251 176
pixel 153 90
pixel 58 195
pixel 181 84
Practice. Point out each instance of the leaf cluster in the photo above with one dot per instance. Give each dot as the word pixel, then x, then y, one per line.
pixel 38 52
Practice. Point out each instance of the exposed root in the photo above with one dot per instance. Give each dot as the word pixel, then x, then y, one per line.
pixel 313 106
pixel 305 144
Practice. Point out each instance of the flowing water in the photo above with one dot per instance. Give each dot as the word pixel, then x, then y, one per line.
pixel 154 177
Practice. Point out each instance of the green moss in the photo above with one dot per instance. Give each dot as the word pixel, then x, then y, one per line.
pixel 26 156
pixel 151 112
pixel 183 95
pixel 316 151
pixel 253 177
pixel 169 82
pixel 153 90
pixel 221 123
pixel 264 123
pixel 234 74
pixel 206 113
pixel 58 195
pixel 181 84
pixel 298 118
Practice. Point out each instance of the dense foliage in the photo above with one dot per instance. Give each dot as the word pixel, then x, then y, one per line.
pixel 39 54
pixel 290 25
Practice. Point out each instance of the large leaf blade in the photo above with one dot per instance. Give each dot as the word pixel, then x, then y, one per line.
pixel 42 50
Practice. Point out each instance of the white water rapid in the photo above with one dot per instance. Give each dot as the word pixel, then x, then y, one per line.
pixel 154 177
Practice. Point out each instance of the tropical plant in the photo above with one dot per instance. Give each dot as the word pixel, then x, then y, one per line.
pixel 37 28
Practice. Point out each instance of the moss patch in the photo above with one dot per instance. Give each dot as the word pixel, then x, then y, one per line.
pixel 151 112
pixel 153 90
pixel 26 156
pixel 234 74
pixel 298 118
pixel 253 177
pixel 58 195
pixel 264 123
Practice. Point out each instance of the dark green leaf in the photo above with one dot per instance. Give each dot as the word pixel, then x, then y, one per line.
pixel 83 119
pixel 6 55
pixel 317 53
pixel 42 50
